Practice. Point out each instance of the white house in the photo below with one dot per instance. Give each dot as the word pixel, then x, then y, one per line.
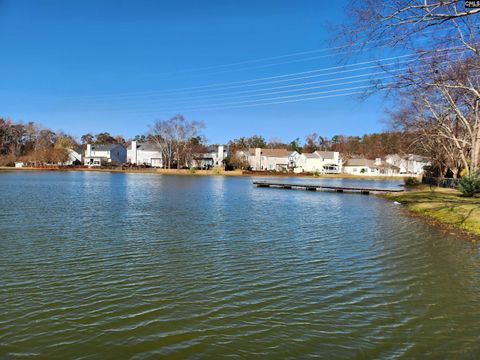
pixel 111 154
pixel 19 164
pixel 370 167
pixel 269 159
pixel 75 156
pixel 332 161
pixel 147 153
pixel 308 163
pixel 409 164
pixel 325 162
pixel 212 157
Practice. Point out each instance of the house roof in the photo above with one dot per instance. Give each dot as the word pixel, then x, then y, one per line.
pixel 146 146
pixel 105 147
pixel 77 149
pixel 276 152
pixel 360 162
pixel 326 154
pixel 419 158
pixel 213 149
pixel 311 156
pixel 272 152
pixel 369 163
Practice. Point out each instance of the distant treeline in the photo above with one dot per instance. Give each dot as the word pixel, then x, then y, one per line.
pixel 32 143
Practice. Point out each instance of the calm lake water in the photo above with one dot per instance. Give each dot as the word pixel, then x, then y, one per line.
pixel 100 265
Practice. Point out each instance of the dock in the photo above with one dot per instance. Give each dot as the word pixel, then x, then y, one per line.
pixel 316 187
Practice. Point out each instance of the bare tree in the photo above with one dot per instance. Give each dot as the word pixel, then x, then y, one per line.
pixel 441 106
pixel 174 138
pixel 439 89
pixel 419 25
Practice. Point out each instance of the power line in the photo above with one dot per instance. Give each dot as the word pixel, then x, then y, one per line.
pixel 252 92
pixel 268 100
pixel 279 57
pixel 269 103
pixel 276 98
pixel 300 95
pixel 295 79
pixel 290 90
pixel 281 100
pixel 249 91
pixel 223 85
pixel 255 60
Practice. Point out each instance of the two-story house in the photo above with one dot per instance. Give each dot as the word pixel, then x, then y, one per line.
pixel 146 153
pixel 110 154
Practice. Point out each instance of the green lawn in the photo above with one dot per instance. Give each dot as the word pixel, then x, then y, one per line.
pixel 445 205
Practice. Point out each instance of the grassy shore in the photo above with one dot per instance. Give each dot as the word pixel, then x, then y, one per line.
pixel 445 206
pixel 211 172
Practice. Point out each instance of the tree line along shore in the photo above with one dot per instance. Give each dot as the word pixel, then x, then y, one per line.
pixel 34 144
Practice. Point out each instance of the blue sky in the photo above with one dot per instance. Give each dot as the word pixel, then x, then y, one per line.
pixel 93 66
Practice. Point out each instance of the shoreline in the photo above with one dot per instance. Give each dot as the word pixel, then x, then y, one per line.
pixel 443 208
pixel 212 172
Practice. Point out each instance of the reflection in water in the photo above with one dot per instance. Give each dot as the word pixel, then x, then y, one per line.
pixel 141 265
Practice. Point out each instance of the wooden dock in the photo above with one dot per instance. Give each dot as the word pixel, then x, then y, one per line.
pixel 316 187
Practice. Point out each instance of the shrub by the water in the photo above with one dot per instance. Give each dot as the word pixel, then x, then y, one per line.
pixel 411 181
pixel 469 185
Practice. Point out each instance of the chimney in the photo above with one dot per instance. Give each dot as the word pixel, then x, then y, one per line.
pixel 88 152
pixel 258 158
pixel 220 155
pixel 134 158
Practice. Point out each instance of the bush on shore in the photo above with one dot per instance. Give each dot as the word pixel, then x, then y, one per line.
pixel 7 160
pixel 411 181
pixel 470 185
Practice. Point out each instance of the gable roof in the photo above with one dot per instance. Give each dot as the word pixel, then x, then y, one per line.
pixel 272 152
pixel 276 152
pixel 105 147
pixel 326 154
pixel 360 162
pixel 418 158
pixel 146 146
pixel 76 149
pixel 311 155
pixel 369 163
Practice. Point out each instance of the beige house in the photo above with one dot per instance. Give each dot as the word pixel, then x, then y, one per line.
pixel 269 159
pixel 368 167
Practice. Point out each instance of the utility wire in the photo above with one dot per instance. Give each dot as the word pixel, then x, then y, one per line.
pixel 184 101
pixel 283 76
pixel 250 82
pixel 252 61
pixel 300 86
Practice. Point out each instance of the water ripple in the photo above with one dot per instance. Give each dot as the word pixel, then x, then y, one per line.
pixel 147 266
